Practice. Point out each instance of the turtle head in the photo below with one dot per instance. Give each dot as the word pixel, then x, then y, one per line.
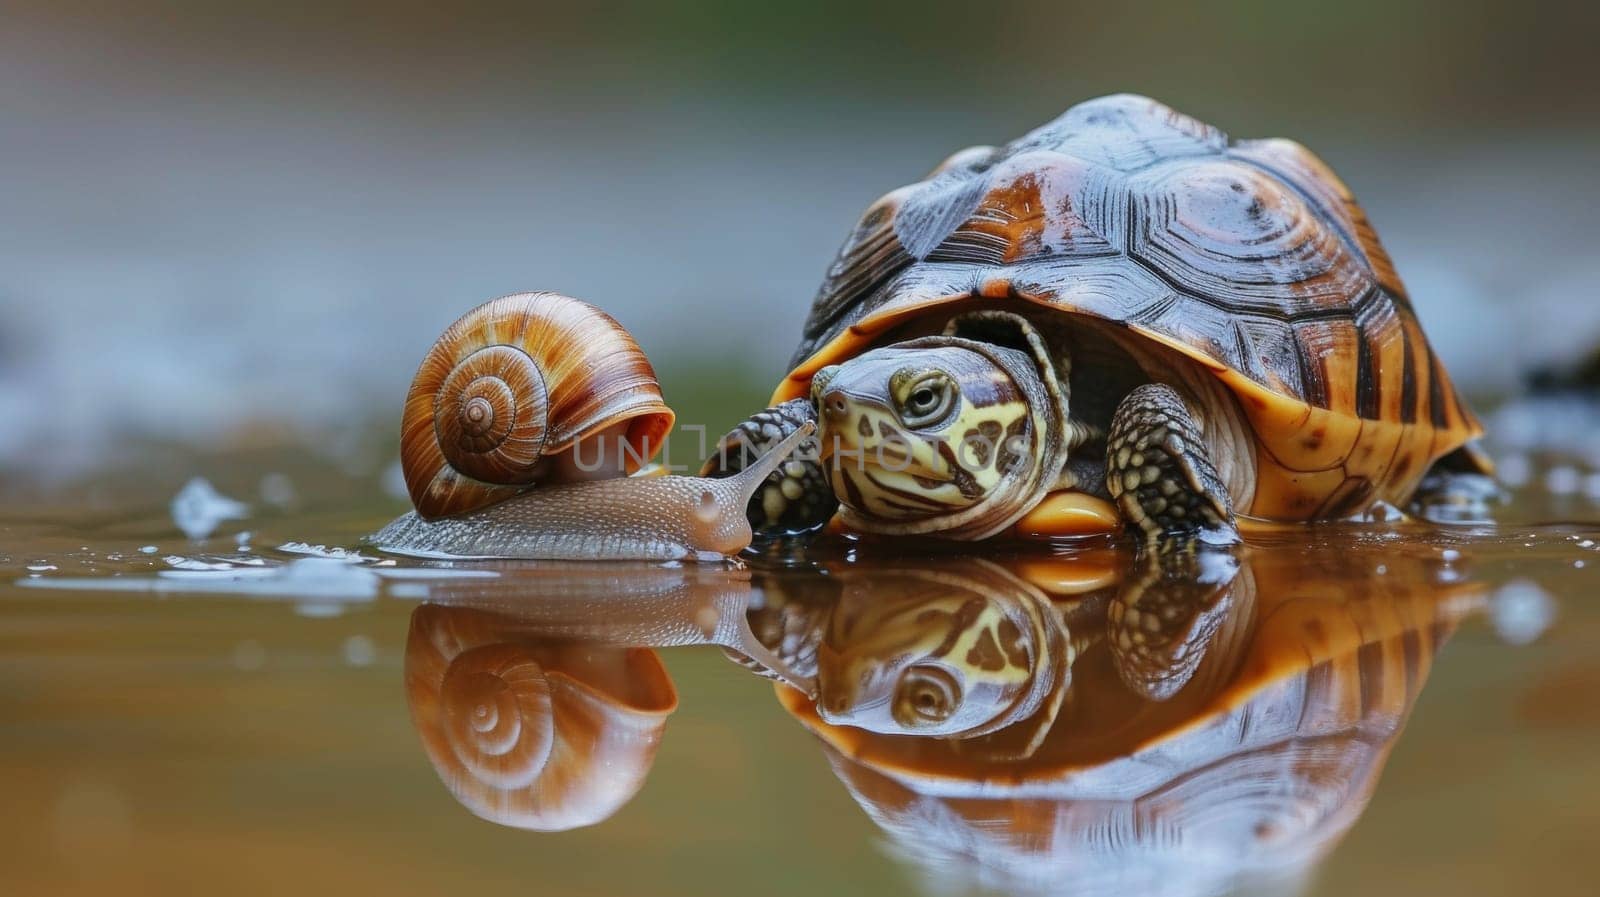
pixel 938 435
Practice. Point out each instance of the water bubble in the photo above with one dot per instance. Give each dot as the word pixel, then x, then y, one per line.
pixel 198 508
pixel 1521 611
pixel 1562 480
pixel 1515 471
pixel 41 567
pixel 148 549
pixel 277 489
pixel 1517 424
pixel 359 651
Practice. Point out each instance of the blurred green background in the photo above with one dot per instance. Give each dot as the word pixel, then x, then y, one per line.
pixel 235 225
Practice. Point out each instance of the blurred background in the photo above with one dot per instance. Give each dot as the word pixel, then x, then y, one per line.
pixel 232 227
pixel 229 231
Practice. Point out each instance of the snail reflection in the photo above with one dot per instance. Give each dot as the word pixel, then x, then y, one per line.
pixel 529 732
pixel 1230 742
pixel 539 699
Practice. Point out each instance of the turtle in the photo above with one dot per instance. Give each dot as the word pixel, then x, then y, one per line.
pixel 1256 767
pixel 1122 306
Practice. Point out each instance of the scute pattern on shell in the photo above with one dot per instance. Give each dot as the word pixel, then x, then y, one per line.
pixel 515 381
pixel 1248 257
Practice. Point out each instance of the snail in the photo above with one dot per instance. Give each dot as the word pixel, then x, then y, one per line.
pixel 521 432
pixel 542 734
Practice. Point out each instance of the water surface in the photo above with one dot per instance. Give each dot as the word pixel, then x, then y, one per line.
pixel 1360 709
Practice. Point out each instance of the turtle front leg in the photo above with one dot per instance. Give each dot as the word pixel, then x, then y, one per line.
pixel 1158 471
pixel 797 498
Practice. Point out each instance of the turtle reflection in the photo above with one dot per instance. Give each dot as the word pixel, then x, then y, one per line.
pixel 963 648
pixel 1244 762
pixel 950 651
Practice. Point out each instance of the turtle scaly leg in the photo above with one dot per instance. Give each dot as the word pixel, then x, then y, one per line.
pixel 797 497
pixel 1158 472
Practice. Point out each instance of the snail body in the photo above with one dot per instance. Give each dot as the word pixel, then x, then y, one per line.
pixel 520 431
pixel 664 518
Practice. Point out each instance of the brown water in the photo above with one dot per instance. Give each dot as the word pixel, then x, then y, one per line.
pixel 1375 710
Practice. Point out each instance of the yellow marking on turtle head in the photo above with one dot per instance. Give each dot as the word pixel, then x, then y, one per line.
pixel 947 660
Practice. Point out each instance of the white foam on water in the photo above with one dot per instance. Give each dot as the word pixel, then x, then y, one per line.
pixel 324 551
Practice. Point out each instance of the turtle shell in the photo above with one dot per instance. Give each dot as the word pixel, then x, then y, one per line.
pixel 1250 258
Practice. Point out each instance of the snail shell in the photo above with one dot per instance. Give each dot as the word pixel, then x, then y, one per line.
pixel 505 395
pixel 538 734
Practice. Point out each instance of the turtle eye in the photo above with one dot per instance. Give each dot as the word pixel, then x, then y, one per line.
pixel 928 399
pixel 925 695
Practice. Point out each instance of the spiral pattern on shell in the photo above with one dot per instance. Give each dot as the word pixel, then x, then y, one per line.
pixel 513 383
pixel 497 706
pixel 543 735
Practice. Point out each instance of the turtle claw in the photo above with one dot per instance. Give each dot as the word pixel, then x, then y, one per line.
pixel 796 500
